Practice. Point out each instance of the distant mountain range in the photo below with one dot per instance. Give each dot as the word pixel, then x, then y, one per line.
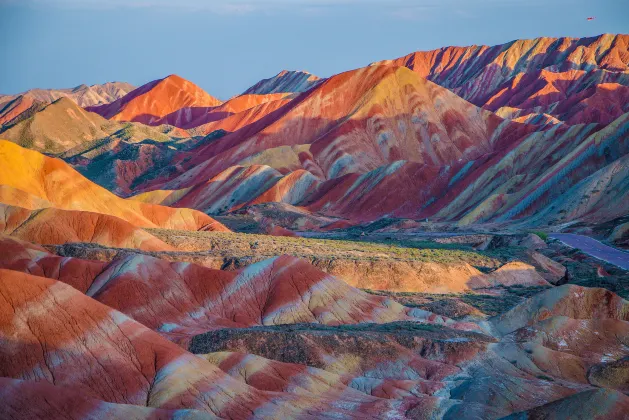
pixel 515 133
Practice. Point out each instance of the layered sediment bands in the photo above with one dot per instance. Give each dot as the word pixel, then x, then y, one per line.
pixel 246 121
pixel 281 338
pixel 340 146
pixel 370 266
pixel 402 358
pixel 61 337
pixel 500 190
pixel 228 116
pixel 239 186
pixel 557 75
pixel 281 290
pixel 130 308
pixel 14 110
pixel 569 300
pixel 56 182
pixel 132 365
pixel 285 81
pixel 155 100
pixel 39 399
pixel 51 226
pixel 65 338
pixel 59 127
pixel 482 162
pixel 184 299
pixel 552 107
pixel 380 101
pixel 395 276
pixel 82 95
pixel 32 259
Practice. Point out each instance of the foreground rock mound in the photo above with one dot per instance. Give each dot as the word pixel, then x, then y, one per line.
pixel 570 301
pixel 282 339
pixel 81 347
pixel 594 404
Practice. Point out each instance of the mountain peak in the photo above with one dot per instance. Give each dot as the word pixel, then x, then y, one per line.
pixel 156 99
pixel 286 81
pixel 175 78
pixel 65 101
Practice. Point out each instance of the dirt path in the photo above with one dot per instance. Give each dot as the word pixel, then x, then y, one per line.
pixel 595 248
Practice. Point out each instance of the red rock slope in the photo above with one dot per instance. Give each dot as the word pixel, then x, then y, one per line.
pixel 72 345
pixel 155 100
pixel 220 117
pixel 64 344
pixel 384 114
pixel 550 73
pixel 51 226
pixel 181 300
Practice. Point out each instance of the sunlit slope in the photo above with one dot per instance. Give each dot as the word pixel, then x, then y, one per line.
pixel 155 100
pixel 55 181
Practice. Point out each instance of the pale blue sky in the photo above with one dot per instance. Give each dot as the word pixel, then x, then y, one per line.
pixel 227 45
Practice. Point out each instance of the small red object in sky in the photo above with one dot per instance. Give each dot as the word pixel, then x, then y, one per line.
pixel 591 18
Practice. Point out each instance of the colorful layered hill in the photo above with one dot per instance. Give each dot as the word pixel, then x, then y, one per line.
pixel 82 95
pixel 285 82
pixel 16 109
pixel 462 134
pixel 20 107
pixel 204 120
pixel 46 201
pixel 63 128
pixel 136 368
pixel 143 337
pixel 382 141
pixel 109 307
pixel 389 115
pixel 558 76
pixel 156 100
pixel 58 127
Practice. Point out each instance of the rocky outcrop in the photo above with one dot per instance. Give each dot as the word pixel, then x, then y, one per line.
pixel 620 235
pixel 613 375
pixel 592 404
pixel 514 273
pixel 552 271
pixel 569 300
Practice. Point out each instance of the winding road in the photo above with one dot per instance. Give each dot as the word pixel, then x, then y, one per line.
pixel 594 248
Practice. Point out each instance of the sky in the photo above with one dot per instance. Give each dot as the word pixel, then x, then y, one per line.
pixel 225 46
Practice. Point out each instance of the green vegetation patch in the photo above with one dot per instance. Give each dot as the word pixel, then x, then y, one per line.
pixel 243 244
pixel 542 235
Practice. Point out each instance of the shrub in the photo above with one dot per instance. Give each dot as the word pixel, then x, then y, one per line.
pixel 542 235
